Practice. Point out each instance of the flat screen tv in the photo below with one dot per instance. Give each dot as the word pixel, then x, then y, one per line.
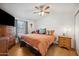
pixel 6 19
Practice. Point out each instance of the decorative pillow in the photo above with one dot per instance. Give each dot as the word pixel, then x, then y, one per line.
pixel 42 31
pixel 50 32
pixel 33 32
pixel 37 31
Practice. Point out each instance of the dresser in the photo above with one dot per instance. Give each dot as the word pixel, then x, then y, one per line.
pixel 6 30
pixel 64 42
pixel 7 40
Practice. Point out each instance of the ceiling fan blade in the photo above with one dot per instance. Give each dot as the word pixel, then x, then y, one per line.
pixel 46 7
pixel 37 7
pixel 41 6
pixel 47 12
pixel 35 12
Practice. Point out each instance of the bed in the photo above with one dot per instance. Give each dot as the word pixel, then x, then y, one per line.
pixel 40 42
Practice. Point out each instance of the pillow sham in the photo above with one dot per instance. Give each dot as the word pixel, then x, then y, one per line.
pixel 50 32
pixel 42 31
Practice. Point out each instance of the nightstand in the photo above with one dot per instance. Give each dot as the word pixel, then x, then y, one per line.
pixel 64 42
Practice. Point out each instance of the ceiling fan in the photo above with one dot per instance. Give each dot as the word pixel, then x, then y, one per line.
pixel 42 9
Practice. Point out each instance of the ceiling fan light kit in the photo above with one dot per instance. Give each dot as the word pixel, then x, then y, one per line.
pixel 41 13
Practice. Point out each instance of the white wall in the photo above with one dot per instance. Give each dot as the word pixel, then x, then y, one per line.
pixel 58 22
pixel 30 29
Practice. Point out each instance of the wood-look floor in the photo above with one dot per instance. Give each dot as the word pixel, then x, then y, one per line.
pixel 52 51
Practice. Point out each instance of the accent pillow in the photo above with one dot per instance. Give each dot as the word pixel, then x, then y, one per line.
pixel 42 31
pixel 33 32
pixel 37 31
pixel 50 32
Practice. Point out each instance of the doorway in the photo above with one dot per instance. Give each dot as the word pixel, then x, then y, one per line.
pixel 77 31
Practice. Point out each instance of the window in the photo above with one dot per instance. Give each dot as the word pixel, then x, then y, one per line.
pixel 21 27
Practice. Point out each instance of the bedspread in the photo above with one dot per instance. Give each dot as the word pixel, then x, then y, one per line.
pixel 39 41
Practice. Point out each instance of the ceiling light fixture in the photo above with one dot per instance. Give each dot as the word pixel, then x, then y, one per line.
pixel 42 10
pixel 41 13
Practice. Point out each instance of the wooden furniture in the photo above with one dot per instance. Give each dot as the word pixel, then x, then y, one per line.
pixel 3 47
pixel 64 42
pixel 7 40
pixel 6 30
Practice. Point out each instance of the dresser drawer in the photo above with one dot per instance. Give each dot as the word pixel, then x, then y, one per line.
pixel 64 42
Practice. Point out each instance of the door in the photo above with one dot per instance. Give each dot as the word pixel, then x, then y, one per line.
pixel 77 32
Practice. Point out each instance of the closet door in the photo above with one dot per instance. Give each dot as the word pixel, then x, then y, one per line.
pixel 77 32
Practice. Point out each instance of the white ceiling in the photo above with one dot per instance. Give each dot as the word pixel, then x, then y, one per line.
pixel 25 10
